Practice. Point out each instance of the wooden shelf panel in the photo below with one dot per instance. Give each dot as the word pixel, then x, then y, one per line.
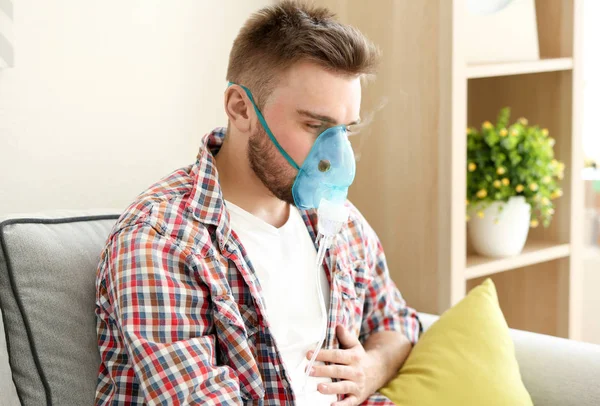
pixel 519 68
pixel 532 297
pixel 535 252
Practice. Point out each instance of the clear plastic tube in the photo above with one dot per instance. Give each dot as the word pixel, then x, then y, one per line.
pixel 324 244
pixel 332 217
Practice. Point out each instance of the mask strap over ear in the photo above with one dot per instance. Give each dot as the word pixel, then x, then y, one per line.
pixel 266 127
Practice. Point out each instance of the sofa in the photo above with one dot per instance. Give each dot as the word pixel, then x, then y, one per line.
pixel 48 352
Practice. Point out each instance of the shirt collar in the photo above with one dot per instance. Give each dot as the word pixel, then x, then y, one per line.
pixel 206 202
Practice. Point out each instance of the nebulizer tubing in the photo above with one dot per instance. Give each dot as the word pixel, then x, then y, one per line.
pixel 332 217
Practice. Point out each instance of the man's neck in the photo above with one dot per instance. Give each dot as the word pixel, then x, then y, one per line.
pixel 240 185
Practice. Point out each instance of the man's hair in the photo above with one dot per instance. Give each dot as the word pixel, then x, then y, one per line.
pixel 278 36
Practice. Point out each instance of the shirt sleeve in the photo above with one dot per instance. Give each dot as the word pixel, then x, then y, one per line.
pixel 162 313
pixel 384 308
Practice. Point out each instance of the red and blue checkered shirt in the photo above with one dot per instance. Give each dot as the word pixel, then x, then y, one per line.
pixel 180 312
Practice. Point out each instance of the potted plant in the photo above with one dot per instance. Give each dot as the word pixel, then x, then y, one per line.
pixel 512 180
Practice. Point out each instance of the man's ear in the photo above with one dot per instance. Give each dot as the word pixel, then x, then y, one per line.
pixel 238 108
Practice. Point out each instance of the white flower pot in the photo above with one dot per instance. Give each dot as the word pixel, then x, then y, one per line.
pixel 501 234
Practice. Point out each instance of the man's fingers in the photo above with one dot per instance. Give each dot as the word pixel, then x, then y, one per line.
pixel 344 357
pixel 336 371
pixel 337 388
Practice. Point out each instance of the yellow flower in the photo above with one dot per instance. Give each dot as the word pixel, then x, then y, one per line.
pixel 468 131
pixel 487 125
pixel 519 188
pixel 554 162
pixel 561 176
pixel 561 166
pixel 468 218
pixel 545 201
pixel 472 167
pixel 536 198
pixel 545 132
pixel 501 171
pixel 547 179
pixel 467 202
pixel 523 121
pixel 514 133
pixel 534 223
pixel 482 193
pixel 533 186
pixel 480 214
pixel 503 132
pixel 556 194
pixel 497 184
pixel 551 211
pixel 505 182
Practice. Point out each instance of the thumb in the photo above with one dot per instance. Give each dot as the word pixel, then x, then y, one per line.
pixel 345 337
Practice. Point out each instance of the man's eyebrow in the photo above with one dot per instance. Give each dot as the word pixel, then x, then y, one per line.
pixel 325 119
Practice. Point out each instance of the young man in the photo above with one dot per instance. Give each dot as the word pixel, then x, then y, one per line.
pixel 207 290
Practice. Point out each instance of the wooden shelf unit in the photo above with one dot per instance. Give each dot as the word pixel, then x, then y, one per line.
pixel 534 253
pixel 411 182
pixel 518 68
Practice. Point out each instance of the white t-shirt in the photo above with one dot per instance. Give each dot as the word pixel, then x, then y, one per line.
pixel 284 261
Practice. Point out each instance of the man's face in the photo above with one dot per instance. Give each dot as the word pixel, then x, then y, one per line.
pixel 306 101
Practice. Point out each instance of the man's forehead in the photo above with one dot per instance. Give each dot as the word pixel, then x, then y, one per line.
pixel 309 78
pixel 336 108
pixel 324 96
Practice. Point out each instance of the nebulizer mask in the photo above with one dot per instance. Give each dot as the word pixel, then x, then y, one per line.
pixel 321 183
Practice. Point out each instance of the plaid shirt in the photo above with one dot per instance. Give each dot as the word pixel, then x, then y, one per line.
pixel 180 313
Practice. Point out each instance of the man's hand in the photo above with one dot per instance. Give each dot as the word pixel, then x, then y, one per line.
pixel 352 367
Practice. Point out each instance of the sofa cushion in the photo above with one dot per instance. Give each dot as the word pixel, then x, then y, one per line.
pixel 466 358
pixel 545 360
pixel 47 293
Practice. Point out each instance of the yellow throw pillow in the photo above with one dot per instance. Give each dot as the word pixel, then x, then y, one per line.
pixel 466 358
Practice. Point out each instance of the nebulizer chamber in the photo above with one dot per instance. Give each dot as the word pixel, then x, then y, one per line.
pixel 323 182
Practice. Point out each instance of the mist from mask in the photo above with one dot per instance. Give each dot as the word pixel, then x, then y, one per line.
pixel 360 133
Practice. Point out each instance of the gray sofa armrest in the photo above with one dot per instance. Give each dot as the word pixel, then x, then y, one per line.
pixel 555 371
pixel 8 392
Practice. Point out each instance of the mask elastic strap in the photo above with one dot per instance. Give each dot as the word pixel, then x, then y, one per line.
pixel 266 127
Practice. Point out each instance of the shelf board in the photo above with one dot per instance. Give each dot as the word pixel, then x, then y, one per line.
pixel 535 252
pixel 518 68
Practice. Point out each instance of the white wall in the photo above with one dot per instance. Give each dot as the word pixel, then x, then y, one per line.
pixel 106 97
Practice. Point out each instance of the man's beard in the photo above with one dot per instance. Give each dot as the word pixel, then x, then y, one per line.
pixel 265 160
